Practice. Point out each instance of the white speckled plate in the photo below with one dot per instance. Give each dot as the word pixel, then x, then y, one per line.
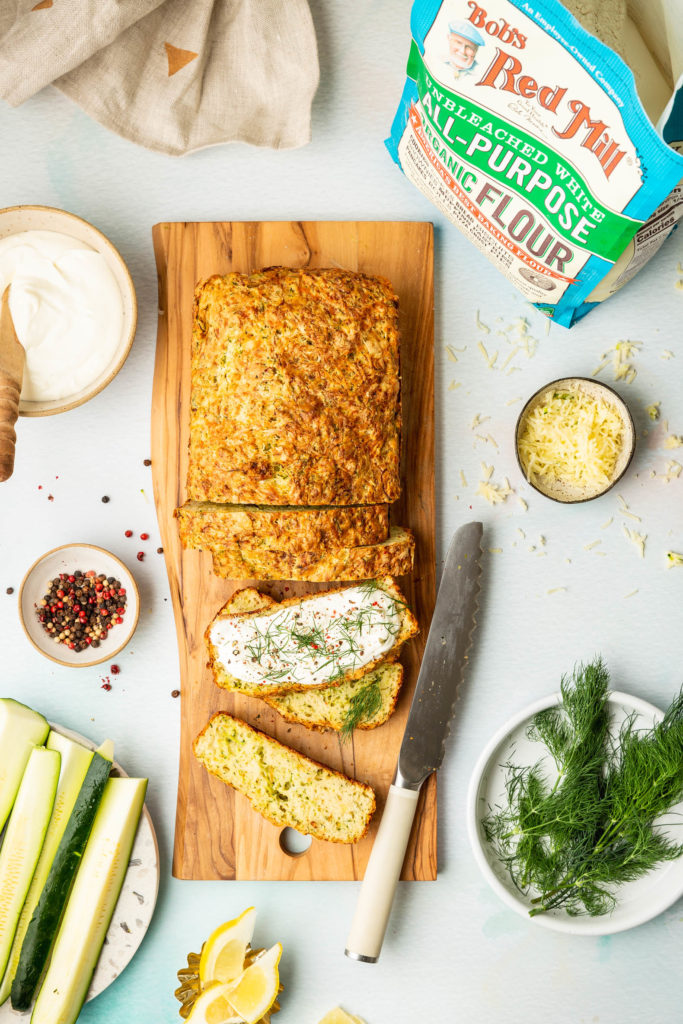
pixel 638 901
pixel 135 906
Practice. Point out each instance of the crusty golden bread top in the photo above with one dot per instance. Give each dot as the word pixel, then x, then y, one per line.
pixel 295 389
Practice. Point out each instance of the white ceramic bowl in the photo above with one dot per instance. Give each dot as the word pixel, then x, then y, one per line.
pixel 14 219
pixel 65 560
pixel 134 907
pixel 638 901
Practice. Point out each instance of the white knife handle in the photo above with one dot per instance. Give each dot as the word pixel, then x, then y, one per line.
pixel 381 875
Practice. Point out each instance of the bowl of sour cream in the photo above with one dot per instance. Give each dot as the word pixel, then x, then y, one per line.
pixel 73 305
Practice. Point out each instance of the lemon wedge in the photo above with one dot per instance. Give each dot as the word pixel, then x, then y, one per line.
pixel 339 1016
pixel 212 1006
pixel 256 990
pixel 223 955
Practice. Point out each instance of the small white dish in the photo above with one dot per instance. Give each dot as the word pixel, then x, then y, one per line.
pixel 134 908
pixel 563 491
pixel 15 219
pixel 638 901
pixel 67 559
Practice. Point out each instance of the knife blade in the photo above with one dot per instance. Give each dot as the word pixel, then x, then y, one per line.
pixel 424 740
pixel 12 359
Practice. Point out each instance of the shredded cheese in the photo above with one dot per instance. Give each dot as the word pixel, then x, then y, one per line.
pixel 637 539
pixel 454 384
pixel 608 523
pixel 450 352
pixel 555 590
pixel 572 437
pixel 667 354
pixel 673 441
pixel 653 411
pixel 481 326
pixel 620 356
pixel 477 420
pixel 673 558
pixel 523 505
pixel 463 478
pixel 593 544
pixel 493 493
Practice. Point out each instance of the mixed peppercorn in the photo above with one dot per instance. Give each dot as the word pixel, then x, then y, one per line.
pixel 80 608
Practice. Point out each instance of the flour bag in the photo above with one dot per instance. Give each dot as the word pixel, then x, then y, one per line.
pixel 553 142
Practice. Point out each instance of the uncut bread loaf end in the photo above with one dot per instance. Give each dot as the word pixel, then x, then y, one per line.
pixel 305 643
pixel 361 703
pixel 283 785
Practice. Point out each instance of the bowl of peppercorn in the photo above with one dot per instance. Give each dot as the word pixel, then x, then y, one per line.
pixel 79 605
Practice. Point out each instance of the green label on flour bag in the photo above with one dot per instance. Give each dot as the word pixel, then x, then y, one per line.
pixel 514 178
pixel 527 133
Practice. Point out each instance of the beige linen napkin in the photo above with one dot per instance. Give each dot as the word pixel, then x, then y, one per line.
pixel 172 75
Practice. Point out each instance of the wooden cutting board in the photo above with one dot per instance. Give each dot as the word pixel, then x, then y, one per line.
pixel 217 834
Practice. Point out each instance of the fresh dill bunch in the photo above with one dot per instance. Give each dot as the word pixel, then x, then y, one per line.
pixel 575 841
pixel 362 706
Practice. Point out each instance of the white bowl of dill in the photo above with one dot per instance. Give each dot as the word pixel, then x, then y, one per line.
pixel 575 808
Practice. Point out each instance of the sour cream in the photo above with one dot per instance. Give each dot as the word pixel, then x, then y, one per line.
pixel 67 311
pixel 309 643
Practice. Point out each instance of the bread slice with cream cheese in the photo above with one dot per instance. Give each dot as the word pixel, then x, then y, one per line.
pixel 303 643
pixel 330 706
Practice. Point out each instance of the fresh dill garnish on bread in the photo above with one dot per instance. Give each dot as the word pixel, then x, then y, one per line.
pixel 570 842
pixel 362 707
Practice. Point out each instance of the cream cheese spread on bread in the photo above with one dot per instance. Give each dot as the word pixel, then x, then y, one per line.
pixel 310 642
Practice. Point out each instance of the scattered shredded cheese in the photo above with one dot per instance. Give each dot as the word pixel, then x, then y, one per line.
pixel 522 504
pixel 631 594
pixel 513 369
pixel 454 384
pixel 477 420
pixel 608 523
pixel 463 478
pixel 667 354
pixel 555 590
pixel 620 356
pixel 573 437
pixel 593 544
pixel 493 493
pixel 637 539
pixel 673 441
pixel 673 558
pixel 511 401
pixel 450 352
pixel 490 360
pixel 496 551
pixel 653 411
pixel 481 326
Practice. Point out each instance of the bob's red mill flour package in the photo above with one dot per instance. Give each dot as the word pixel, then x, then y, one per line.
pixel 531 125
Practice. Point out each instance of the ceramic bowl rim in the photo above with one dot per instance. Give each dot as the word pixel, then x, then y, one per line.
pixel 66 404
pixel 132 626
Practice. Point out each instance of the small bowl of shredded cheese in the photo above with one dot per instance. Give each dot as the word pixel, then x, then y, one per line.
pixel 574 439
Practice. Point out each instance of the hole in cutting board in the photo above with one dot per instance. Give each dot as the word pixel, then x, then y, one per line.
pixel 294 843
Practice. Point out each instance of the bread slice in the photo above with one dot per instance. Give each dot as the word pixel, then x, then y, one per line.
pixel 283 785
pixel 213 526
pixel 330 706
pixel 393 556
pixel 279 675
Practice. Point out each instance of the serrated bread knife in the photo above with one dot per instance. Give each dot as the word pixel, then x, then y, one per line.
pixel 422 749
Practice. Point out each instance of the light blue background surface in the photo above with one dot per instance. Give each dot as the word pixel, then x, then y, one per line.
pixel 453 951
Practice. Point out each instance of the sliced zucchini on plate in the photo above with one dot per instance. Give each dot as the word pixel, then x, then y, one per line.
pixel 24 840
pixel 91 903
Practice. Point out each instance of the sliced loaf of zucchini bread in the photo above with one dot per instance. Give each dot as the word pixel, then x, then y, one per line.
pixel 283 785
